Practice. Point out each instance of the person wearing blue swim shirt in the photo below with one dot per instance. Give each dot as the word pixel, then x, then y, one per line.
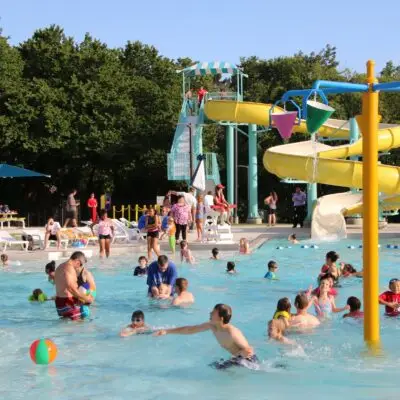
pixel 161 271
pixel 272 268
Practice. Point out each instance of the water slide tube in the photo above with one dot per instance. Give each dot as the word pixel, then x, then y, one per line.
pixel 297 160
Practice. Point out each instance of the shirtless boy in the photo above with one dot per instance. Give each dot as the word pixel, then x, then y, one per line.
pixel 137 326
pixel 229 337
pixel 302 319
pixel 183 296
pixel 68 297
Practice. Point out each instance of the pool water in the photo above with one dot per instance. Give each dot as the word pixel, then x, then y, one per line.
pixel 95 363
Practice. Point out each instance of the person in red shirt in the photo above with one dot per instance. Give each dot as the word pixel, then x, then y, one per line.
pixel 355 305
pixel 391 298
pixel 92 205
pixel 200 94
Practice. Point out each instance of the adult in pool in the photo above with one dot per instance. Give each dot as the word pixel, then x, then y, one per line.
pixel 69 299
pixel 228 336
pixel 302 319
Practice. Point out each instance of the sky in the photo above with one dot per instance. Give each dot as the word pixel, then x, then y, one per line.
pixel 211 30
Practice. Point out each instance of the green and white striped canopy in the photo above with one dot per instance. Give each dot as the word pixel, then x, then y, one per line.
pixel 210 68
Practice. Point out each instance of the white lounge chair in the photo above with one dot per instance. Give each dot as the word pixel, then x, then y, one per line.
pixel 129 224
pixel 133 231
pixel 38 239
pixel 119 232
pixel 6 240
pixel 89 236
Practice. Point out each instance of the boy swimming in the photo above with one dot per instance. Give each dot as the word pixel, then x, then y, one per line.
pixel 276 330
pixel 183 296
pixel 293 239
pixel 272 268
pixel 229 337
pixel 137 325
pixel 50 270
pixel 355 306
pixel 230 267
pixel 302 319
pixel 391 298
pixel 214 254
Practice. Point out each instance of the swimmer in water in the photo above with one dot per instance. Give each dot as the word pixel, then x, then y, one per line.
pixel 141 269
pixel 391 298
pixel 137 325
pixel 302 319
pixel 163 291
pixel 355 306
pixel 228 336
pixel 182 295
pixel 348 271
pixel 38 295
pixel 230 267
pixel 330 266
pixel 293 239
pixel 214 254
pixel 244 246
pixel 276 330
pixel 272 268
pixel 283 309
pixel 4 260
pixel 324 303
pixel 50 270
pixel 186 254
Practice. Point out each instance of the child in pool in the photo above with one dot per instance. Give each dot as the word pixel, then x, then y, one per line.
pixel 283 309
pixel 330 265
pixel 50 270
pixel 171 230
pixel 38 295
pixel 182 294
pixel 186 254
pixel 324 303
pixel 214 254
pixel 244 246
pixel 293 239
pixel 137 325
pixel 230 267
pixel 272 268
pixel 164 292
pixel 391 298
pixel 302 319
pixel 355 306
pixel 228 336
pixel 332 290
pixel 4 260
pixel 348 271
pixel 141 269
pixel 276 330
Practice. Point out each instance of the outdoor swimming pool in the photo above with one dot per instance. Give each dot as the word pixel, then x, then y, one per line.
pixel 94 362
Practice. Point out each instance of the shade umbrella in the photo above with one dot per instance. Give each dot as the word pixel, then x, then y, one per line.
pixel 10 171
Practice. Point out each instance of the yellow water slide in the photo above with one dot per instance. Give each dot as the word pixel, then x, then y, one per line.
pixel 317 162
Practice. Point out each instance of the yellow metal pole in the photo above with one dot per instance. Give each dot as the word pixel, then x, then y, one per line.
pixel 370 199
pixel 113 212
pixel 136 212
pixel 129 212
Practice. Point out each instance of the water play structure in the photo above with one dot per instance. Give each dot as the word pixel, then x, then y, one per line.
pixel 314 162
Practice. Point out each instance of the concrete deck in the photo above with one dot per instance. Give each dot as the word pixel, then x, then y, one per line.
pixel 256 234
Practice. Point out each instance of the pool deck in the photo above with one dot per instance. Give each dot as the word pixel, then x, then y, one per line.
pixel 256 234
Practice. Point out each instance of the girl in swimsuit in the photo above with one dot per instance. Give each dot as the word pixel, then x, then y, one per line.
pixel 153 225
pixel 186 254
pixel 271 201
pixel 324 303
pixel 105 231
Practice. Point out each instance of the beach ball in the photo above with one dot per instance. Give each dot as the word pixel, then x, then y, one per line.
pixel 43 351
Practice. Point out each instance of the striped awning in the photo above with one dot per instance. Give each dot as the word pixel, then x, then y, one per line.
pixel 210 68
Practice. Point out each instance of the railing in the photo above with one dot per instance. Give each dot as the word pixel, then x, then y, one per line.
pixel 132 209
pixel 222 96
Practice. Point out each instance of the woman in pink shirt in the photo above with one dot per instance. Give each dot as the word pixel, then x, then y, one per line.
pixel 182 214
pixel 105 232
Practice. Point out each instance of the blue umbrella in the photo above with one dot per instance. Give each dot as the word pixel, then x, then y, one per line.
pixel 10 171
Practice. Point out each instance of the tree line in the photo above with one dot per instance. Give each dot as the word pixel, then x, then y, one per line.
pixel 102 119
